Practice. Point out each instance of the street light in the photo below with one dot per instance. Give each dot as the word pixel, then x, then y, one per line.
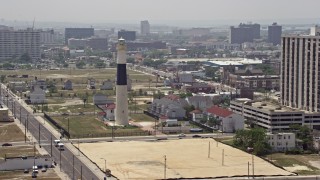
pixel 105 168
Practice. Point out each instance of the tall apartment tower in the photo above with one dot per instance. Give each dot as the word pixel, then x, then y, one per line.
pixel 14 43
pixel 300 75
pixel 78 33
pixel 244 33
pixel 145 28
pixel 274 34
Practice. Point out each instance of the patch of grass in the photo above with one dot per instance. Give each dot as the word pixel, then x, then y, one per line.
pixel 10 132
pixel 74 108
pixel 89 126
pixel 80 125
pixel 284 160
pixel 141 118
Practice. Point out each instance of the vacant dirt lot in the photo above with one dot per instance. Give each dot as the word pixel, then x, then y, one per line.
pixel 185 158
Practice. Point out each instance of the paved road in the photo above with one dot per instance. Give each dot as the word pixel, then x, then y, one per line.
pixel 46 137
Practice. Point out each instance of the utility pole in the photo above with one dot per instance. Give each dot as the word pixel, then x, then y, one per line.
pixel 165 167
pixel 51 146
pixel 60 159
pixel 248 169
pixel 27 122
pixel 68 129
pixel 34 153
pixel 25 130
pixel 20 114
pixel 81 172
pixel 73 167
pixel 252 166
pixel 209 150
pixel 39 135
pixel 222 157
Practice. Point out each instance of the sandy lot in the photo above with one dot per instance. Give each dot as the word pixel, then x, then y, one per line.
pixel 186 158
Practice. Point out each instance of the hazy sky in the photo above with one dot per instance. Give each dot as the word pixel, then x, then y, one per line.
pixel 111 11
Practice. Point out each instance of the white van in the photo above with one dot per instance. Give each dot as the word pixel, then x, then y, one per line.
pixel 35 169
pixel 61 146
pixel 56 142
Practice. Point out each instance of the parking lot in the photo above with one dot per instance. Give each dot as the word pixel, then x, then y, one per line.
pixel 184 158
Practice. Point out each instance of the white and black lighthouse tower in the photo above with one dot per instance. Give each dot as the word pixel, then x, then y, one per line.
pixel 121 117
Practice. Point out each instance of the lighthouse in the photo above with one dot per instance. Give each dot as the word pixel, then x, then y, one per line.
pixel 121 117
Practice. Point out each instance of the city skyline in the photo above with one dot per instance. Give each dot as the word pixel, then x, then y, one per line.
pixel 204 12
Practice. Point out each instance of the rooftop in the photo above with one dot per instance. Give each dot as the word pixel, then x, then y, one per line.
pixel 222 112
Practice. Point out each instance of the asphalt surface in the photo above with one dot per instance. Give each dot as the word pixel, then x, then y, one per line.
pixel 45 138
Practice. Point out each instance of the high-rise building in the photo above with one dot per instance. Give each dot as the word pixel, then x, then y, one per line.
pixel 127 35
pixel 14 43
pixel 78 33
pixel 274 34
pixel 47 36
pixel 244 33
pixel 300 78
pixel 145 27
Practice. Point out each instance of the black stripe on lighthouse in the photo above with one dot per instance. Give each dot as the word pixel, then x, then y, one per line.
pixel 121 74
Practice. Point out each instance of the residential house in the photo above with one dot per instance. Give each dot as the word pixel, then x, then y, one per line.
pixel 67 85
pixel 197 115
pixel 106 85
pixel 110 110
pixel 101 99
pixel 170 106
pixel 38 83
pixel 38 96
pixel 229 121
pixel 281 141
pixel 91 83
pixel 199 102
pixel 18 86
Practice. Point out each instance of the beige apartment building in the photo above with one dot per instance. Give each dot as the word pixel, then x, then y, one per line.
pixel 300 78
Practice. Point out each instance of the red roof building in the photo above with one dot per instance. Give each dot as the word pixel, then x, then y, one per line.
pixel 218 111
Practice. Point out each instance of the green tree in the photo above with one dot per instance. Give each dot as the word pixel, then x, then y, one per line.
pixel 25 58
pixel 130 60
pixel 80 64
pixel 100 64
pixel 2 78
pixel 305 134
pixel 255 138
pixel 212 121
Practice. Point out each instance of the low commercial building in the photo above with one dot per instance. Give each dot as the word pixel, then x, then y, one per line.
pixel 282 141
pixel 273 117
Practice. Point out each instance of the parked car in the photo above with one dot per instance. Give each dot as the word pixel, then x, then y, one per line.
pixel 181 135
pixel 6 144
pixel 44 169
pixel 26 171
pixel 34 175
pixel 196 136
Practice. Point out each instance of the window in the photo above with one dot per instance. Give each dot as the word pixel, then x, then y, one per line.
pixel 288 137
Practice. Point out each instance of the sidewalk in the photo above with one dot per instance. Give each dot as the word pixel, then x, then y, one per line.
pixel 41 151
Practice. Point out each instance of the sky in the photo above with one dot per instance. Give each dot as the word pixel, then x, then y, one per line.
pixel 158 11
